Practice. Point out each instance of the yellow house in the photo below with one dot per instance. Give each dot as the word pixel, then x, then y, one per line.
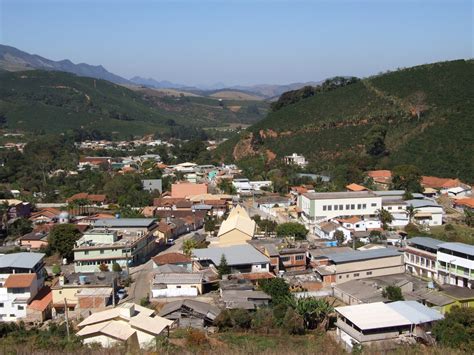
pixel 454 296
pixel 237 229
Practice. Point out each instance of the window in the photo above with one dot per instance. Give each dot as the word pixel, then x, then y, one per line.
pixel 400 207
pixel 340 276
pixel 60 292
pixel 389 208
pixel 299 257
pixel 348 207
pixel 324 208
pixel 102 252
pixel 336 207
pixel 1 305
pixel 86 252
pixel 368 273
pixel 359 206
pixel 329 208
pixel 178 286
pixel 356 274
pixel 352 207
pixel 364 206
pixel 347 276
pixel 374 205
pixel 285 259
pixel 21 308
pixel 12 315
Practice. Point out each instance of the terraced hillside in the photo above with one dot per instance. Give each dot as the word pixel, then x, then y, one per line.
pixel 38 100
pixel 428 112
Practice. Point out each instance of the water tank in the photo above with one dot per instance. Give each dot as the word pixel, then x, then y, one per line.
pixel 117 215
pixel 64 217
pixel 431 285
pixel 82 279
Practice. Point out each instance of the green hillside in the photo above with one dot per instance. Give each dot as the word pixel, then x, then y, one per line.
pixel 428 113
pixel 56 101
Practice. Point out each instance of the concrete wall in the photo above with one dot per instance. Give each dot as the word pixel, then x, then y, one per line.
pixel 369 268
pixel 234 237
pixel 314 208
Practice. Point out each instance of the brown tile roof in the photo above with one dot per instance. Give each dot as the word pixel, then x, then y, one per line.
pixel 171 258
pixel 165 202
pixel 355 187
pixel 42 300
pixel 257 276
pixel 437 182
pixel 468 202
pixel 351 220
pixel 380 176
pixel 19 280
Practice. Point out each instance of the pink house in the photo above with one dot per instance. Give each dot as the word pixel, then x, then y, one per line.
pixel 34 240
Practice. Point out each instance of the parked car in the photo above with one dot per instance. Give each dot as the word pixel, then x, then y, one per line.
pixel 121 294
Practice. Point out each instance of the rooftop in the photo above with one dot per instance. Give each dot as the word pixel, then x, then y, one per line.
pixel 178 278
pixel 124 222
pixel 426 242
pixel 202 308
pixel 20 260
pixel 458 247
pixel 385 315
pixel 19 280
pixel 351 256
pixel 338 195
pixel 235 255
pixel 171 258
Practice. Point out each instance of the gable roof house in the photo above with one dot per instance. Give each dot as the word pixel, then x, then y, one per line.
pixel 128 323
pixel 190 313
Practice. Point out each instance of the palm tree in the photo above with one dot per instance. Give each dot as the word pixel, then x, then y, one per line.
pixel 385 217
pixel 314 311
pixel 188 246
pixel 411 213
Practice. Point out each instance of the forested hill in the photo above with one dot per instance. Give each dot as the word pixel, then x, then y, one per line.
pixel 53 101
pixel 422 115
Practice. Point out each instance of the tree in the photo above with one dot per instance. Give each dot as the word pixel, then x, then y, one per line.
pixel 293 322
pixel 291 229
pixel 406 177
pixel 393 293
pixel 315 311
pixel 385 217
pixel 339 236
pixel 116 267
pixel 210 225
pixel 375 141
pixel 20 227
pixel 456 330
pixel 241 318
pixel 226 186
pixel 62 239
pixel 411 213
pixel 263 320
pixel 223 268
pixel 469 217
pixel 103 267
pixel 417 102
pixel 277 288
pixel 188 246
pixel 56 269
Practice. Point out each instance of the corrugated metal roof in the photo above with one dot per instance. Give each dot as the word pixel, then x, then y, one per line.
pixel 235 255
pixel 422 203
pixel 124 222
pixel 338 195
pixel 20 260
pixel 459 247
pixel 425 242
pixel 178 278
pixel 361 255
pixel 415 312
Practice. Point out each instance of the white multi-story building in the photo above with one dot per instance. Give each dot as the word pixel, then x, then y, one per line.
pixel 326 205
pixel 21 276
pixel 420 256
pixel 427 212
pixel 455 264
pixel 296 159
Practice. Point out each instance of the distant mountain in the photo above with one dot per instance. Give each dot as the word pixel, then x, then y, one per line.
pixel 270 91
pixel 150 82
pixel 13 59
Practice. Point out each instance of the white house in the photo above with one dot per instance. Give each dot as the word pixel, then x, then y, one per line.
pixel 176 284
pixel 427 212
pixel 455 264
pixel 327 230
pixel 296 159
pixel 128 323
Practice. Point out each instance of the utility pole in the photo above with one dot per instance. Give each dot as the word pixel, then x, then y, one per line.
pixel 66 316
pixel 113 291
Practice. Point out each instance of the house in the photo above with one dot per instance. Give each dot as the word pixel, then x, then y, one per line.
pixel 83 291
pixel 17 208
pixel 464 203
pixel 342 267
pixel 441 184
pixel 34 240
pixel 427 212
pixel 459 191
pixel 241 258
pixel 45 215
pixel 190 313
pixel 326 205
pixel 295 159
pixel 128 323
pixel 286 259
pixel 107 246
pixel 39 309
pixel 237 229
pixel 242 186
pixel 23 263
pixel 420 256
pixel 186 189
pixel 152 185
pixel 268 203
pixel 94 200
pixel 16 292
pixel 398 210
pixel 93 162
pixel 244 299
pixel 455 264
pixel 381 178
pixel 373 323
pixel 176 284
pixel 327 230
pixel 173 259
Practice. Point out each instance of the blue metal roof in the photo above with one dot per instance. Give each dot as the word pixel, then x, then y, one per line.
pixel 426 242
pixel 459 247
pixel 356 255
pixel 415 312
pixel 20 260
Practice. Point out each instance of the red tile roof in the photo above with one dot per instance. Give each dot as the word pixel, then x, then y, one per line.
pixel 380 176
pixel 437 182
pixel 171 258
pixel 356 187
pixel 42 300
pixel 468 202
pixel 187 189
pixel 19 280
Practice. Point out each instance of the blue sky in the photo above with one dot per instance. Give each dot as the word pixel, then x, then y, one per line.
pixel 241 42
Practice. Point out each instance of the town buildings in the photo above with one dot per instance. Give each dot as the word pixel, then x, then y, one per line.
pixel 237 229
pixel 295 159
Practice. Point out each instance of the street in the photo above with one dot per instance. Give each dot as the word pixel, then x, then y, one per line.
pixel 143 274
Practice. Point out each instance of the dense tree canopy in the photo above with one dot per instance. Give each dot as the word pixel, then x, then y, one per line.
pixel 62 239
pixel 406 177
pixel 292 229
pixel 456 330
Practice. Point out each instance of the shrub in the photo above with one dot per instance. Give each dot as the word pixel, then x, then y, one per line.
pixel 263 320
pixel 449 227
pixel 103 267
pixel 56 269
pixel 241 318
pixel 293 323
pixel 224 320
pixel 116 267
pixel 196 338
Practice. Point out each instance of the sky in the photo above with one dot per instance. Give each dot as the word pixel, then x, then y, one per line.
pixel 241 42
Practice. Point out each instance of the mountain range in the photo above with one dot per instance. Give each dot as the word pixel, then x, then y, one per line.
pixel 13 59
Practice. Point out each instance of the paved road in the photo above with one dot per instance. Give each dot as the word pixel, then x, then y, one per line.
pixel 143 274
